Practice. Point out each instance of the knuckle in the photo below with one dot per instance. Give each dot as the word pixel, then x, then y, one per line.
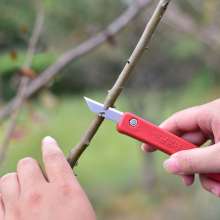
pixel 186 162
pixel 66 189
pixel 34 198
pixel 58 162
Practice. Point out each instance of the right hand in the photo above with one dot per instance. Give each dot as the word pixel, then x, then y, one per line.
pixel 196 125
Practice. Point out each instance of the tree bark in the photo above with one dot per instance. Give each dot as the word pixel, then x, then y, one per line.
pixel 117 88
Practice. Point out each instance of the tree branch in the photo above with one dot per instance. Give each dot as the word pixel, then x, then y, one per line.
pixel 86 47
pixel 117 88
pixel 184 23
pixel 20 97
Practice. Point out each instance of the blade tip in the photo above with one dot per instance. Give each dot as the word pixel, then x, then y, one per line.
pixel 86 99
pixel 88 102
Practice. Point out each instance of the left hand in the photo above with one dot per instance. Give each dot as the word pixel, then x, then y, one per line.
pixel 28 194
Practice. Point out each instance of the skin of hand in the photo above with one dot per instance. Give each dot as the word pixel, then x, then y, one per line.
pixel 27 194
pixel 197 125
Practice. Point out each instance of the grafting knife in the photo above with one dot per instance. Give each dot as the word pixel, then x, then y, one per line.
pixel 144 131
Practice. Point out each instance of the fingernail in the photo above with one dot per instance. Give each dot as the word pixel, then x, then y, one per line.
pixel 143 148
pixel 172 166
pixel 49 140
pixel 187 181
pixel 49 144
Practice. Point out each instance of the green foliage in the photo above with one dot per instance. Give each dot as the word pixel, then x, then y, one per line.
pixel 68 117
pixel 186 48
pixel 110 169
pixel 9 66
pixel 77 20
pixel 198 86
pixel 16 21
pixel 63 123
pixel 196 92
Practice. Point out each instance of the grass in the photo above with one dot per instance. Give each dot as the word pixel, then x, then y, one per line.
pixel 110 170
pixel 66 122
pixel 10 64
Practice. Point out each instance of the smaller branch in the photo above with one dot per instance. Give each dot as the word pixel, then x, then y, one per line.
pixel 20 97
pixel 13 120
pixel 120 82
pixel 182 22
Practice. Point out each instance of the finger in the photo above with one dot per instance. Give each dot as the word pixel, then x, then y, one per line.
pixel 188 180
pixel 198 160
pixel 148 148
pixel 29 174
pixel 210 185
pixel 183 121
pixel 2 209
pixel 196 137
pixel 56 165
pixel 9 189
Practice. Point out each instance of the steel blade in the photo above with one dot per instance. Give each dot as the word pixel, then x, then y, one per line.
pixel 98 108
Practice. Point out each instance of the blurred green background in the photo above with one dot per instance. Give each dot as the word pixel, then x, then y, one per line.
pixel 180 69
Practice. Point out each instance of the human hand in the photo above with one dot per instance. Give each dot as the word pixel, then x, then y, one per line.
pixel 197 125
pixel 27 194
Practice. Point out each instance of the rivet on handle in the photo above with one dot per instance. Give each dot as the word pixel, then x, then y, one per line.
pixel 133 122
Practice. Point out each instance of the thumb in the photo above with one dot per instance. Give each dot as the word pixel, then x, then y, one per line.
pixel 198 160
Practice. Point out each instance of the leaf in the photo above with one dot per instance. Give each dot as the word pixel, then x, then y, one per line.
pixel 13 55
pixel 40 62
pixel 23 29
pixel 28 72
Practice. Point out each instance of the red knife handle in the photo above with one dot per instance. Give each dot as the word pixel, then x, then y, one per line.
pixel 144 131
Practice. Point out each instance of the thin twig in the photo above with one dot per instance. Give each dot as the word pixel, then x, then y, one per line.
pixel 182 22
pixel 83 49
pixel 119 84
pixel 20 97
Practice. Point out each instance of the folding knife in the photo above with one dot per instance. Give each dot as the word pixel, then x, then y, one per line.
pixel 144 131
